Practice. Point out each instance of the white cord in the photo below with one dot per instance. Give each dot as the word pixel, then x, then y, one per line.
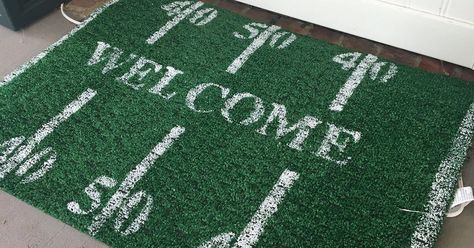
pixel 463 197
pixel 67 17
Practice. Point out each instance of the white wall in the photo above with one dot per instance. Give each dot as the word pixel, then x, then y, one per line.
pixel 459 10
pixel 442 29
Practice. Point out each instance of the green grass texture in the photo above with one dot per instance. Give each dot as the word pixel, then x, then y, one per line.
pixel 357 168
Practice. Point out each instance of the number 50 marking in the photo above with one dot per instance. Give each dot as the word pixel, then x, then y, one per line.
pixel 123 200
pixel 259 38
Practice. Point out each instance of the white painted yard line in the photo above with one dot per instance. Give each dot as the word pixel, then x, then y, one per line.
pixel 220 241
pixel 8 78
pixel 172 23
pixel 352 83
pixel 254 46
pixel 126 210
pixel 250 235
pixel 133 177
pixel 443 185
pixel 25 150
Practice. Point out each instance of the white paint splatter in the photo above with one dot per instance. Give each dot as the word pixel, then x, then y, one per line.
pixel 137 71
pixel 133 177
pixel 303 126
pixel 232 102
pixel 331 140
pixel 352 83
pixel 175 8
pixel 411 211
pixel 443 185
pixel 254 46
pixel 170 74
pixel 250 235
pixel 25 150
pixel 40 56
pixel 195 92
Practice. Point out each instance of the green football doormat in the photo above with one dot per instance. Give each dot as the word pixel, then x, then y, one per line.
pixel 179 124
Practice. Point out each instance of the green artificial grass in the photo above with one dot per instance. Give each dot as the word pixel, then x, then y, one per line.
pixel 230 171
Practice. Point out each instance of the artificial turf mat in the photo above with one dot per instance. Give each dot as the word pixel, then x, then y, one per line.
pixel 216 131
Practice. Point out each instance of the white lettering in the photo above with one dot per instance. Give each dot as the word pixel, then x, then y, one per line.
pixel 303 126
pixel 112 57
pixel 137 70
pixel 232 102
pixel 170 74
pixel 331 140
pixel 195 92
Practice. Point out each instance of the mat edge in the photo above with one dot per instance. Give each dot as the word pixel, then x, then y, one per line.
pixel 428 226
pixel 12 75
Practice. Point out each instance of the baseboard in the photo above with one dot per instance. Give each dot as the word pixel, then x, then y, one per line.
pixel 405 28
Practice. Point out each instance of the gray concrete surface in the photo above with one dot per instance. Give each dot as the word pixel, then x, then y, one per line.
pixel 458 232
pixel 22 225
pixel 18 47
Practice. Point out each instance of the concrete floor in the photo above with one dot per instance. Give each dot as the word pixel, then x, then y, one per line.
pixel 22 225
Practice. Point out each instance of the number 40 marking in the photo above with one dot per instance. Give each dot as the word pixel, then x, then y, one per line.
pixel 368 65
pixel 181 10
pixel 19 152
